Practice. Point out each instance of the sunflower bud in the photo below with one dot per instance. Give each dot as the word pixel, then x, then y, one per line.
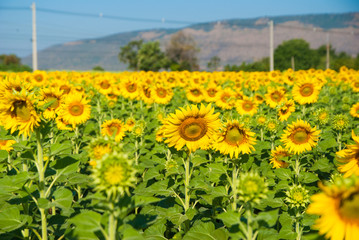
pixel 297 196
pixel 252 187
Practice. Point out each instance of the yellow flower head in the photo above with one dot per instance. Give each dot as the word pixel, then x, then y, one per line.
pixel 300 137
pixel 191 127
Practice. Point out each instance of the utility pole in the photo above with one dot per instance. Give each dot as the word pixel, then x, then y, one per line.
pixel 271 48
pixel 328 52
pixel 34 39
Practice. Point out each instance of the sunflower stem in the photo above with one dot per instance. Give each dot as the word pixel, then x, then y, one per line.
pixel 303 111
pixel 234 187
pixel 297 168
pixel 262 135
pixel 339 137
pixel 249 224
pixel 298 229
pixel 186 182
pixel 41 170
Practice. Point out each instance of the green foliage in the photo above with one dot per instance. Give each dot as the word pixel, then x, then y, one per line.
pixel 12 63
pixel 129 54
pixel 98 68
pixel 304 57
pixel 151 58
pixel 214 63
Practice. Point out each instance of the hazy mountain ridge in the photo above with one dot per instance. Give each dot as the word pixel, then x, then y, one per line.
pixel 234 41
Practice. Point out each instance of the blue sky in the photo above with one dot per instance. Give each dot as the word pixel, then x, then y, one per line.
pixel 55 27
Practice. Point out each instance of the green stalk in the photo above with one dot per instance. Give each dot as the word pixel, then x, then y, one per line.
pixel 339 137
pixel 234 187
pixel 111 227
pixel 186 183
pixel 249 223
pixel 41 171
pixel 298 229
pixel 297 168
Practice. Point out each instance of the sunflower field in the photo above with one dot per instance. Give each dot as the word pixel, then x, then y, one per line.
pixel 179 155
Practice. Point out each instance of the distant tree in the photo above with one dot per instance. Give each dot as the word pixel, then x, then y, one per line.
pixel 98 68
pixel 128 54
pixel 214 63
pixel 10 59
pixel 151 58
pixel 304 57
pixel 182 52
pixel 261 65
pixel 12 63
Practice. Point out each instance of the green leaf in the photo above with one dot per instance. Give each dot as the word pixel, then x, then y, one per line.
pixel 14 182
pixel 230 218
pixel 66 165
pixel 206 231
pixel 131 234
pixel 88 225
pixel 58 148
pixel 63 198
pixel 322 165
pixel 44 203
pixel 283 173
pixel 308 177
pixel 10 218
pixel 156 232
pixel 327 143
pixel 270 217
pixel 3 154
pixel 197 160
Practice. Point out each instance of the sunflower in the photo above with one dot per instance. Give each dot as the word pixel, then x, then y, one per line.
pixel 275 96
pixel 355 85
pixel 146 94
pixel 300 137
pixel 75 109
pixel 276 156
pixel 226 99
pixel 114 127
pixel 246 106
pixel 337 205
pixel 211 92
pixel 349 158
pixel 195 94
pixel 97 149
pixel 130 123
pixel 162 95
pixel 17 112
pixel 7 145
pixel 286 110
pixel 62 124
pixel 129 88
pixel 191 127
pixel 235 139
pixel 306 91
pixel 14 84
pixel 354 110
pixel 39 78
pixel 53 95
pixel 322 116
pixel 104 84
pixel 114 174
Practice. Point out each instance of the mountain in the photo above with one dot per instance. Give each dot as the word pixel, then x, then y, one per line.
pixel 234 41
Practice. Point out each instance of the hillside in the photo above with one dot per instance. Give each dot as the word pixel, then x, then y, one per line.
pixel 234 41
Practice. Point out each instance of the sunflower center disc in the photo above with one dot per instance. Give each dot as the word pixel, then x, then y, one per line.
pixel 55 104
pixel 251 187
pixel 105 85
pixel 211 92
pixel 76 110
pixel 276 96
pixel 300 136
pixel 350 207
pixel 38 78
pixel 195 92
pixel 193 129
pixel 298 196
pixel 161 92
pixel 3 142
pixel 22 111
pixel 131 87
pixel 356 84
pixel 114 175
pixel 113 129
pixel 234 136
pixel 323 116
pixel 247 106
pixel 306 90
